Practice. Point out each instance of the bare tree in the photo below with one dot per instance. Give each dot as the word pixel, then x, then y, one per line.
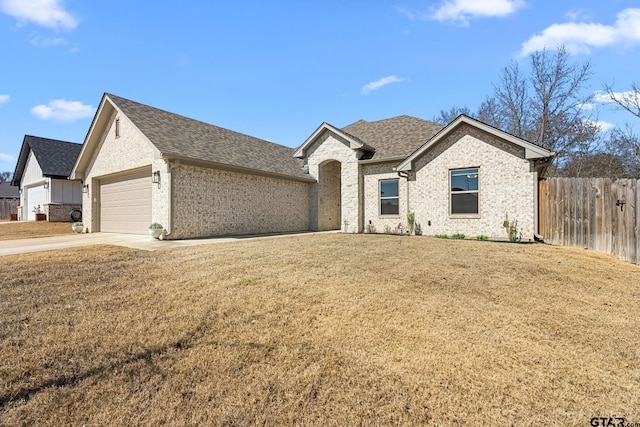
pixel 559 121
pixel 625 139
pixel 5 176
pixel 512 102
pixel 447 117
pixel 626 144
pixel 629 100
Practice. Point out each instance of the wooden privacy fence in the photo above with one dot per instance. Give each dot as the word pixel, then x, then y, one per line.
pixel 596 213
pixel 8 207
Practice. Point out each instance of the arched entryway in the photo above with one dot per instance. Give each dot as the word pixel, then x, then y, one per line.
pixel 329 195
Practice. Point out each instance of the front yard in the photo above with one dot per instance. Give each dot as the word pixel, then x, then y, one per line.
pixel 319 330
pixel 30 229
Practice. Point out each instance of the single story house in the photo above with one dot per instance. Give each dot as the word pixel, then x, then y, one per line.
pixel 42 173
pixel 9 199
pixel 140 165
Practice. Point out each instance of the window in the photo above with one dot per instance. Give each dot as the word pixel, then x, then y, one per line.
pixel 464 191
pixel 389 200
pixel 117 128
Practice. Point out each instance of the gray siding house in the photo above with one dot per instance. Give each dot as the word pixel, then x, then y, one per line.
pixel 140 165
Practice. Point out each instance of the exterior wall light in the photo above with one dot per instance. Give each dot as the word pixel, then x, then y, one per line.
pixel 155 178
pixel 85 188
pixel 46 185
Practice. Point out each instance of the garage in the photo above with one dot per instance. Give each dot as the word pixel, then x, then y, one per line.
pixel 35 196
pixel 125 204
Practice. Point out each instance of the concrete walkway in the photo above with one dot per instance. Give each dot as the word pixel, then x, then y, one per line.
pixel 141 242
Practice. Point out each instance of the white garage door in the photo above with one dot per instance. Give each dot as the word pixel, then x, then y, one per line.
pixel 125 204
pixel 35 196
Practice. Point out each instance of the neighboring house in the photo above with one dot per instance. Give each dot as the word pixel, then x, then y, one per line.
pixel 9 199
pixel 42 175
pixel 140 165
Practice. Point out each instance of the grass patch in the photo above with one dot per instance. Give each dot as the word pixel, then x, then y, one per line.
pixel 29 229
pixel 293 332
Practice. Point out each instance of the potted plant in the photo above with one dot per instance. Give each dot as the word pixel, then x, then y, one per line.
pixel 155 230
pixel 77 227
pixel 40 215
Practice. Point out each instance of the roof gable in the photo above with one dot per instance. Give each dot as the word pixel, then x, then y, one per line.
pixel 532 151
pixel 354 142
pixel 177 136
pixel 394 137
pixel 56 158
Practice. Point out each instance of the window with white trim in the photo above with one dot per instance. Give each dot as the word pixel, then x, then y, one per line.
pixel 464 191
pixel 389 197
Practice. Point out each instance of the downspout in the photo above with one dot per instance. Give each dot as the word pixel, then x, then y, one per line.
pixel 405 175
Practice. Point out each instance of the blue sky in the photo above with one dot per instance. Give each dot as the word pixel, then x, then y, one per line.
pixel 276 70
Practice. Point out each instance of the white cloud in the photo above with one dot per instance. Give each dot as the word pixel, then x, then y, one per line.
pixel 580 37
pixel 586 106
pixel 462 10
pixel 63 110
pixel 40 41
pixel 45 13
pixel 629 96
pixel 602 125
pixel 370 87
pixel 4 157
pixel 4 99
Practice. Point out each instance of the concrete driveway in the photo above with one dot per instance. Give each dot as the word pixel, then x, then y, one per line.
pixel 141 242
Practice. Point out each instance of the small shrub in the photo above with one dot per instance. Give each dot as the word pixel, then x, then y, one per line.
pixel 511 227
pixel 441 236
pixel 457 236
pixel 77 224
pixel 482 237
pixel 156 226
pixel 411 221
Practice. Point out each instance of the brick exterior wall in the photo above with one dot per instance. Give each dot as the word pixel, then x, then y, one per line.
pixel 114 155
pixel 59 212
pixel 214 202
pixel 327 148
pixel 329 200
pixel 507 184
pixel 372 174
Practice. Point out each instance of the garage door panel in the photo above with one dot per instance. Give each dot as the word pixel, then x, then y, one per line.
pixel 35 196
pixel 125 204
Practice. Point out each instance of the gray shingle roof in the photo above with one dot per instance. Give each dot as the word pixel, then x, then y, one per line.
pixel 56 158
pixel 175 135
pixel 8 191
pixel 395 137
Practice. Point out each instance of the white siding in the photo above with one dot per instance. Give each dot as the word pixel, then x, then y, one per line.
pixel 32 170
pixel 64 191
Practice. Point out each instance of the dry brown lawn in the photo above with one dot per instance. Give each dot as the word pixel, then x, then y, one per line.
pixel 28 229
pixel 319 330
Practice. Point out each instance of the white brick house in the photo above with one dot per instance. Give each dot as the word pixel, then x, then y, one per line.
pixel 140 165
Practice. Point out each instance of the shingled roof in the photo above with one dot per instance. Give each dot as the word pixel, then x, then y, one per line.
pixel 178 136
pixel 8 191
pixel 395 137
pixel 56 158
